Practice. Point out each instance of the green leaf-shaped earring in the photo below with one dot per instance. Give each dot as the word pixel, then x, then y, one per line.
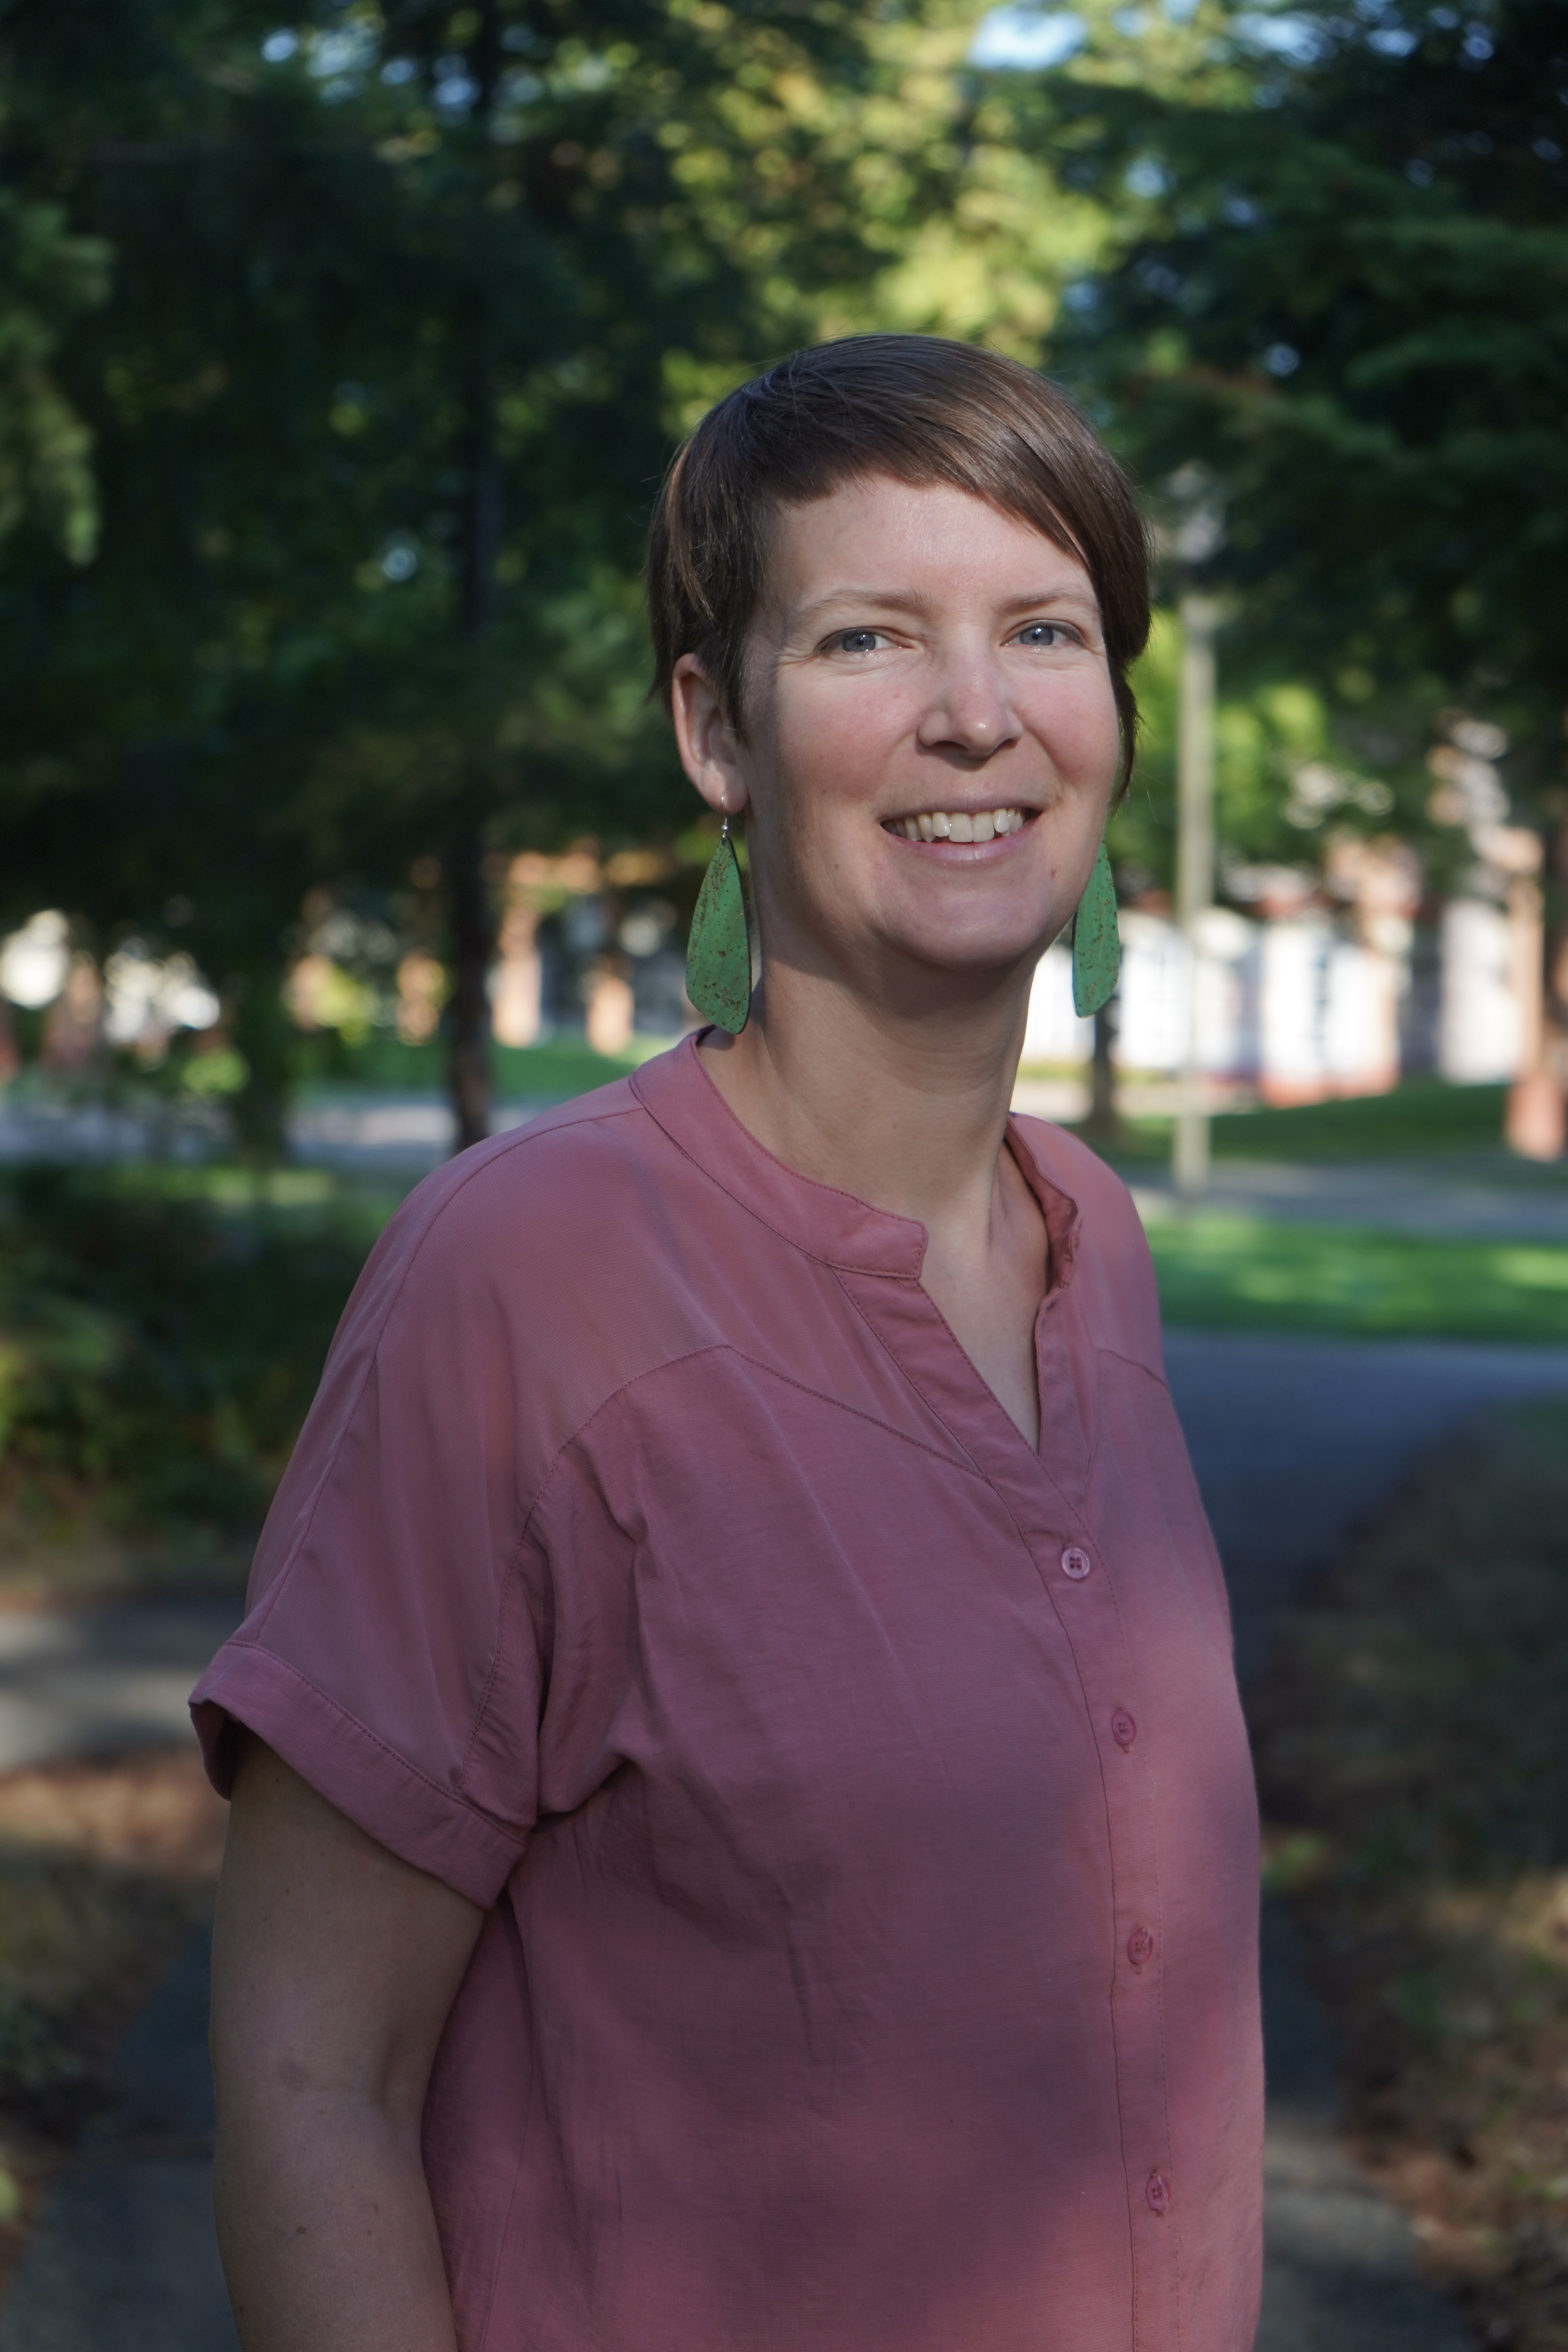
pixel 719 949
pixel 1095 941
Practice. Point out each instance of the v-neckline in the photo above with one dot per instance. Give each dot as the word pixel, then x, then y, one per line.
pixel 860 1240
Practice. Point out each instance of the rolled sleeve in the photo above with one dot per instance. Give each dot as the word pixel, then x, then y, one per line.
pixel 385 1612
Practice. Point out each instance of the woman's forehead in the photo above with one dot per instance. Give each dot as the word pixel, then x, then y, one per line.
pixel 926 544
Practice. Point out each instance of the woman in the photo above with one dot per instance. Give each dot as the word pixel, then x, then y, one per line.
pixel 742 1832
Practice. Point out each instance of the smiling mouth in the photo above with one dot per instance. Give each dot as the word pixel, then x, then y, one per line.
pixel 959 825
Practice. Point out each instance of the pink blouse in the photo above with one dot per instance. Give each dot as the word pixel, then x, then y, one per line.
pixel 860 1801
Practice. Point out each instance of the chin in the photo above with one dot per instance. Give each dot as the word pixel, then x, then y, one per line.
pixel 992 933
pixel 995 951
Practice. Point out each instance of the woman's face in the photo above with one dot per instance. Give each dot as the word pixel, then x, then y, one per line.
pixel 932 738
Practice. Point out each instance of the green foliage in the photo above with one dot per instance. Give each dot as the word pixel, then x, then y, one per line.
pixel 160 1342
pixel 1269 732
pixel 35 2058
pixel 47 275
pixel 1342 287
pixel 409 305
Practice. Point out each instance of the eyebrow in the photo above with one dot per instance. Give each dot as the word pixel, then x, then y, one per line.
pixel 892 601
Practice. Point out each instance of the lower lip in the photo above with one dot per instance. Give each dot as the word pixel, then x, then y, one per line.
pixel 965 852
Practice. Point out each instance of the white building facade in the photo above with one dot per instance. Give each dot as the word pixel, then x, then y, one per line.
pixel 1299 1009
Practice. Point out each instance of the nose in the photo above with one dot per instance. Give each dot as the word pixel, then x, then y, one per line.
pixel 970 716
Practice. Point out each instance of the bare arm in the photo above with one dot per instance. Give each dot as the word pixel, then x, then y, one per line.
pixel 334 1965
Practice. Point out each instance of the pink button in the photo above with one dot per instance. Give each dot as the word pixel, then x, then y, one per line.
pixel 1123 1730
pixel 1139 1946
pixel 1157 2190
pixel 1076 1563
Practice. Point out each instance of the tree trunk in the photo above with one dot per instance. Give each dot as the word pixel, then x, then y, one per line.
pixel 472 921
pixel 469 913
pixel 1101 1121
pixel 261 1033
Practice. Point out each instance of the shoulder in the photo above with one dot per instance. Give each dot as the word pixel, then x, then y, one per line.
pixel 550 1263
pixel 1113 1275
pixel 523 1192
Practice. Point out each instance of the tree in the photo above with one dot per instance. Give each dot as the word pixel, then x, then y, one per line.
pixel 47 276
pixel 1339 295
pixel 409 305
pixel 1342 285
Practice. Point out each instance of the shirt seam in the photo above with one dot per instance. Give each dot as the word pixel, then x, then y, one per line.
pixel 963 1464
pixel 452 1794
pixel 510 1573
pixel 351 1413
pixel 1135 1364
pixel 1067 1505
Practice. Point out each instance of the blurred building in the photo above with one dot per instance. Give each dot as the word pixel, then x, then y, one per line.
pixel 1314 996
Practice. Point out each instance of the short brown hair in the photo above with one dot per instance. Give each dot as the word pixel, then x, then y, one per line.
pixel 915 407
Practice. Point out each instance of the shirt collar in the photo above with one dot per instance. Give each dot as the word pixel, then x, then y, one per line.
pixel 1063 1219
pixel 677 1094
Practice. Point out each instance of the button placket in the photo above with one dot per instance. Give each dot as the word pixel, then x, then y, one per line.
pixel 1080 1584
pixel 1083 1590
pixel 1047 1493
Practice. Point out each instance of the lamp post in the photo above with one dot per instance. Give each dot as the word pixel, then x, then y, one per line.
pixel 1198 534
pixel 1194 870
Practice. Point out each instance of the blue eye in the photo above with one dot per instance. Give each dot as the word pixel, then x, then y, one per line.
pixel 1043 633
pixel 858 641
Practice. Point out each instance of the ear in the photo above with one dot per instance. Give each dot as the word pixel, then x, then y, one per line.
pixel 709 749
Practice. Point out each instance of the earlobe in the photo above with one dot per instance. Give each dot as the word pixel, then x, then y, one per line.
pixel 705 739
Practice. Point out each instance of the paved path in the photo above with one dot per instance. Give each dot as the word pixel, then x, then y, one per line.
pixel 1342 2270
pixel 1459 1195
pixel 124 2259
pixel 94 1681
pixel 1293 1440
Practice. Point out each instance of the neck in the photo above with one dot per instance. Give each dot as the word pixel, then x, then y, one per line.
pixel 906 1110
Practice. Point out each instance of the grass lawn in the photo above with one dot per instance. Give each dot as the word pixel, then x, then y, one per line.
pixel 1411 1744
pixel 553 1072
pixel 1224 1271
pixel 1422 1115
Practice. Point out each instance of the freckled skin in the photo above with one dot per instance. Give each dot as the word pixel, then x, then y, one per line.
pixel 919 650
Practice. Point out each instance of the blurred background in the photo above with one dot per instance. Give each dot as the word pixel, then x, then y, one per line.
pixel 342 352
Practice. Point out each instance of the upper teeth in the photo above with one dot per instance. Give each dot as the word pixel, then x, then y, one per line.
pixel 983 825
